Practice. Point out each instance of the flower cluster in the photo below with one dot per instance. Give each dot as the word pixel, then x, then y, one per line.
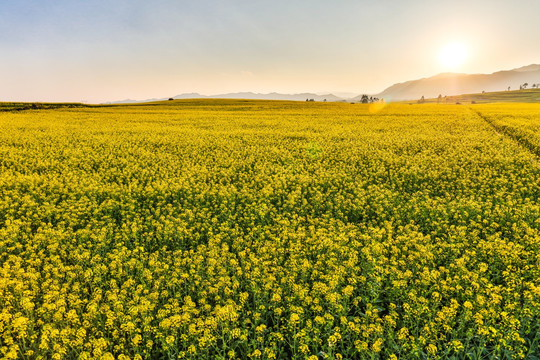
pixel 217 229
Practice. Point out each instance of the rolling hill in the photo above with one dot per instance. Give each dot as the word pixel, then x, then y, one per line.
pixel 456 84
pixel 446 84
pixel 244 95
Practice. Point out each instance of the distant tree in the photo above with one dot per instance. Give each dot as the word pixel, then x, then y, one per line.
pixel 422 100
pixel 439 98
pixel 534 86
pixel 307 99
pixel 324 100
pixel 365 99
pixel 525 85
pixel 171 99
pixel 509 88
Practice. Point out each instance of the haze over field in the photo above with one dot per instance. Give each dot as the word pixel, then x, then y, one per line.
pixel 101 51
pixel 447 83
pixel 456 84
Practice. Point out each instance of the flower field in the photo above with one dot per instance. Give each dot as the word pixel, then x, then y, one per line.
pixel 223 229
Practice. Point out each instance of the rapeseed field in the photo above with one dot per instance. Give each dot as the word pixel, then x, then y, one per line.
pixel 222 229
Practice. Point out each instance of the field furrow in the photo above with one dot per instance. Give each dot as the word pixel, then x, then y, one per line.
pixel 522 126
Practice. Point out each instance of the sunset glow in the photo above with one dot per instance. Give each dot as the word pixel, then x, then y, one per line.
pixel 101 51
pixel 453 55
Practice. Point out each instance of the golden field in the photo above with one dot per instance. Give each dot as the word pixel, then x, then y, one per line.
pixel 223 229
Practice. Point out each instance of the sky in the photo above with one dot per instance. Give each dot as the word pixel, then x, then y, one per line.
pixel 98 51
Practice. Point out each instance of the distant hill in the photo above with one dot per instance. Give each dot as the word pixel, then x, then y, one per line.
pixel 446 84
pixel 456 84
pixel 523 96
pixel 270 96
pixel 131 101
pixel 243 95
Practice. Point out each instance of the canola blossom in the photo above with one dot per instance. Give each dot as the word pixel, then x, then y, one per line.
pixel 224 229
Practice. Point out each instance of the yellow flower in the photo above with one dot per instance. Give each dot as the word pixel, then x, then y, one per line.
pixel 403 333
pixel 136 340
pixel 295 318
pixel 170 340
pixel 377 345
pixel 256 353
pixel 432 349
pixel 261 328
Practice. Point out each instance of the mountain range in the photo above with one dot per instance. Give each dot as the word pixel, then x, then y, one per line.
pixel 457 84
pixel 442 84
pixel 244 95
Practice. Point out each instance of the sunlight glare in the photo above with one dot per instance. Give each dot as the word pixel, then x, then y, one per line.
pixel 453 55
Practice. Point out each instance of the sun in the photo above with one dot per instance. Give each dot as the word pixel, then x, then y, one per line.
pixel 453 55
